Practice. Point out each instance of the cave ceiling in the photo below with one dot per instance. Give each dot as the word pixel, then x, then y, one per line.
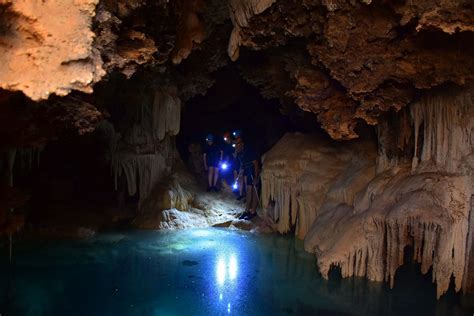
pixel 348 62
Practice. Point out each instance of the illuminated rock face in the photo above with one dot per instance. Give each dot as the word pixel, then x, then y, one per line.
pixel 46 47
pixel 361 220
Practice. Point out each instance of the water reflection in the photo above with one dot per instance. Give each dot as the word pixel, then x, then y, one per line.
pixel 220 271
pixel 226 270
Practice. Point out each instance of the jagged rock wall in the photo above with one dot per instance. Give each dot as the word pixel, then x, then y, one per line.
pixel 424 203
pixel 376 56
pixel 357 59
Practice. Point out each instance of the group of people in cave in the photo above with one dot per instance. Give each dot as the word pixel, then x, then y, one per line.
pixel 237 164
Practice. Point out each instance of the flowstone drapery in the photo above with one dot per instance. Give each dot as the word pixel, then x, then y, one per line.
pixel 361 221
pixel 146 152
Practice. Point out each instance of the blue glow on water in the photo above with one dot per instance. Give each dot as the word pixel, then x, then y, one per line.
pixel 195 272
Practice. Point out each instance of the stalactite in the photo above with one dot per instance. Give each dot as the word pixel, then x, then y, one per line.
pixel 166 114
pixel 241 13
pixel 298 186
pixel 146 152
pixel 426 207
pixel 140 171
pixel 10 157
pixel 29 158
pixel 447 130
pixel 365 228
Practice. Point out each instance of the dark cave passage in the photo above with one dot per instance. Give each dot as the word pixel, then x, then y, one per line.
pixel 232 104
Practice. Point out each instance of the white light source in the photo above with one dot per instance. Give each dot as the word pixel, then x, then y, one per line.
pixel 224 166
pixel 235 186
pixel 233 145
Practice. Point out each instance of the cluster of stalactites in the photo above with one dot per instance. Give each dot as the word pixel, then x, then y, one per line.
pixel 440 247
pixel 24 158
pixel 166 114
pixel 150 150
pixel 447 126
pixel 439 128
pixel 426 206
pixel 294 188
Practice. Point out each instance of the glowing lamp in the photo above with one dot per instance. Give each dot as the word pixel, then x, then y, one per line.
pixel 224 166
pixel 235 186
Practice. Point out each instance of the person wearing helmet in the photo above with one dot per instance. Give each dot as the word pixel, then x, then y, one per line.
pixel 212 158
pixel 250 169
pixel 228 163
pixel 237 133
pixel 239 180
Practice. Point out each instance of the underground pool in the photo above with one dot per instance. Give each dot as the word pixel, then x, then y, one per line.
pixel 198 272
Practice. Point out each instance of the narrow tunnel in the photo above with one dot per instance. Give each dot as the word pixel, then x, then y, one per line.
pixel 347 186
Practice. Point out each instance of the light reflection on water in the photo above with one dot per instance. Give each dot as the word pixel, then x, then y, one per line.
pixel 195 272
pixel 226 276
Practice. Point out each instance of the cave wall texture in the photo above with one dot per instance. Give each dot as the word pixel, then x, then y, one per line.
pixel 345 61
pixel 403 66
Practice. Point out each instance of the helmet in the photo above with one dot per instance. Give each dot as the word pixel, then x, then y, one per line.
pixel 210 138
pixel 237 133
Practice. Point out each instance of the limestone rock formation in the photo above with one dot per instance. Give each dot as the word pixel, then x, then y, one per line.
pixel 42 55
pixel 146 152
pixel 319 173
pixel 377 55
pixel 177 202
pixel 362 221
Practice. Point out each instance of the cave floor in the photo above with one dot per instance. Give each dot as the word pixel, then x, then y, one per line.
pixel 210 271
pixel 83 219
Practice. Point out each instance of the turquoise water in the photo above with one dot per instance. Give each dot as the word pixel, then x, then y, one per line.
pixel 196 272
